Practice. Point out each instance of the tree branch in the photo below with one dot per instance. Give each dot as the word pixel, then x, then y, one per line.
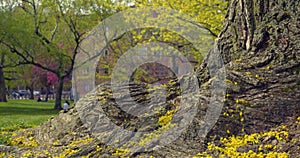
pixel 55 30
pixel 200 26
pixel 25 59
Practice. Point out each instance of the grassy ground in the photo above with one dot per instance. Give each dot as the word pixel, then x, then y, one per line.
pixel 19 114
pixel 16 114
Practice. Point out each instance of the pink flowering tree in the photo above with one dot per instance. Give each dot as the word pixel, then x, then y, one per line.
pixel 43 78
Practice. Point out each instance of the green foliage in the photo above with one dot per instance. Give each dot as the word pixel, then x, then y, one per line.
pixel 209 13
pixel 4 138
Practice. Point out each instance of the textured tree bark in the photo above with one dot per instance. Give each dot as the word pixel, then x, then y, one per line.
pixel 261 51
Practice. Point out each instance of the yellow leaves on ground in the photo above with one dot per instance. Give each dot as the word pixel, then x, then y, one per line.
pixel 166 119
pixel 2 155
pixel 81 141
pixel 241 101
pixel 23 140
pixel 231 144
pixel 298 120
pixel 120 152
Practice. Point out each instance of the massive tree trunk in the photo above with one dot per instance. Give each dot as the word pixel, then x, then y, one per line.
pixel 2 82
pixel 260 47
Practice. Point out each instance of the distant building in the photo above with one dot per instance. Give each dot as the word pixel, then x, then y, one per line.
pixel 153 73
pixel 148 72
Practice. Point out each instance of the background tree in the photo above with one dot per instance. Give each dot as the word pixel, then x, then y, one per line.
pixel 9 72
pixel 3 50
pixel 49 31
pixel 2 79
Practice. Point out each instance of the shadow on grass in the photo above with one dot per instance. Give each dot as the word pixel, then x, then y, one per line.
pixel 26 111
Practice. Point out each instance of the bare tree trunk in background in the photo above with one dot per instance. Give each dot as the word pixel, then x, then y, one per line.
pixel 47 93
pixel 31 91
pixel 2 82
pixel 59 89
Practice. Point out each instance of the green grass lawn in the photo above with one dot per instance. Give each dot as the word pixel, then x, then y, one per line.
pixel 20 114
pixel 16 114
